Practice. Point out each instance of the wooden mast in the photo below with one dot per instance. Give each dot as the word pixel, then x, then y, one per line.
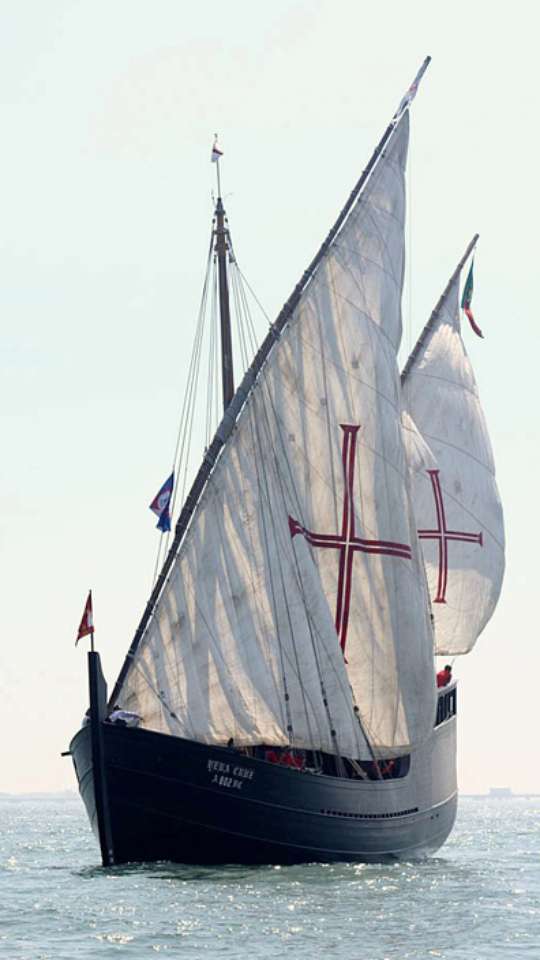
pixel 222 247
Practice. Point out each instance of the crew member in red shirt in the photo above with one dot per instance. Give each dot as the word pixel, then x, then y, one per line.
pixel 444 676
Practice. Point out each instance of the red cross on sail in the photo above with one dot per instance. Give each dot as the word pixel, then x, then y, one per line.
pixel 347 542
pixel 442 534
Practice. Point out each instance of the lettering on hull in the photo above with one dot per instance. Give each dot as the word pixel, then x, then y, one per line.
pixel 231 776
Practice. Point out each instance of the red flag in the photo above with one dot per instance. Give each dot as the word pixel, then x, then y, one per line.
pixel 86 625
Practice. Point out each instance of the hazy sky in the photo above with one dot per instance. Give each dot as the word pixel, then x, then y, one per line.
pixel 107 111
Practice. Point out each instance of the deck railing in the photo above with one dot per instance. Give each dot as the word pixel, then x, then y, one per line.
pixel 446 703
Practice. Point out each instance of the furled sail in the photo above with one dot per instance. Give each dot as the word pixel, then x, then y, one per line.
pixel 296 610
pixel 455 496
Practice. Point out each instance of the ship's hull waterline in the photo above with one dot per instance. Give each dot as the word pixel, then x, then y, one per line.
pixel 163 798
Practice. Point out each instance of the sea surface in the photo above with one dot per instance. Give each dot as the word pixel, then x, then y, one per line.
pixel 478 899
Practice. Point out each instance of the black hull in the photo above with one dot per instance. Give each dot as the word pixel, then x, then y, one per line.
pixel 161 798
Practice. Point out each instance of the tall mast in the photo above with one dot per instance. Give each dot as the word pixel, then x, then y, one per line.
pixel 222 248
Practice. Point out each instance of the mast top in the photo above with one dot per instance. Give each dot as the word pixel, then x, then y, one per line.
pixel 222 248
pixel 216 155
pixel 412 91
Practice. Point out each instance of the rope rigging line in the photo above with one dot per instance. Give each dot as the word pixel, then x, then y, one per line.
pixel 183 461
pixel 208 317
pixel 252 336
pixel 241 325
pixel 193 371
pixel 254 295
pixel 213 383
pixel 244 311
pixel 186 415
pixel 246 329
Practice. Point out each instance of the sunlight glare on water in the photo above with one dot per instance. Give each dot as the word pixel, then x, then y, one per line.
pixel 479 898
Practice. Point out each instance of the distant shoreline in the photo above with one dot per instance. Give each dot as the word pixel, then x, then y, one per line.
pixel 73 794
pixel 40 795
pixel 500 796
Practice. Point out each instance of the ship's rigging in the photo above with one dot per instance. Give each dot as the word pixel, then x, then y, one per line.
pixel 309 670
pixel 292 609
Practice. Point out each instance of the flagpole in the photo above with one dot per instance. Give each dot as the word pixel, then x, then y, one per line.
pixel 92 614
pixel 222 249
pixel 217 167
pixel 86 625
pixel 412 91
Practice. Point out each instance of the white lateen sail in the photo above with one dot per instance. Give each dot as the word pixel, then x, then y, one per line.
pixel 455 496
pixel 296 610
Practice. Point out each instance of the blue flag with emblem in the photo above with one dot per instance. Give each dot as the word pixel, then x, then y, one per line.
pixel 160 505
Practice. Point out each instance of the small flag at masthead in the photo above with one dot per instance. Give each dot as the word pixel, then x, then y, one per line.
pixel 412 91
pixel 217 152
pixel 86 625
pixel 466 301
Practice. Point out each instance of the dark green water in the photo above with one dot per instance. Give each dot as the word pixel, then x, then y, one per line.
pixel 480 898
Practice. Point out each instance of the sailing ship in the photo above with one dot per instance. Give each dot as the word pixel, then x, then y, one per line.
pixel 343 529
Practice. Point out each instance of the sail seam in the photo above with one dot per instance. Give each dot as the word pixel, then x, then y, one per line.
pixel 351 375
pixel 462 388
pixel 465 453
pixel 385 337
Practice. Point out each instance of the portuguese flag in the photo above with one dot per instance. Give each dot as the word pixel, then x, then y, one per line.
pixel 466 302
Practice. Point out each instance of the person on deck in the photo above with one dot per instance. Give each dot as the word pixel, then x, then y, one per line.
pixel 444 676
pixel 291 760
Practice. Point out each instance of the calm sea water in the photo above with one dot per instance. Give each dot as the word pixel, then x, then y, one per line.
pixel 480 898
